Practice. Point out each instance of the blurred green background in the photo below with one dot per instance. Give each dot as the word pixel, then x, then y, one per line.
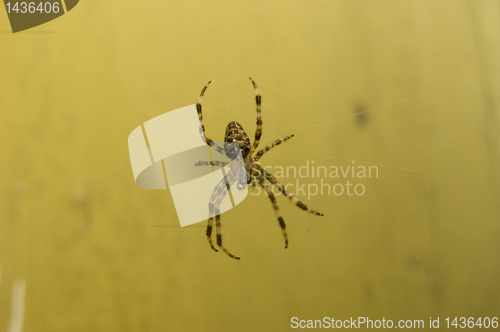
pixel 410 86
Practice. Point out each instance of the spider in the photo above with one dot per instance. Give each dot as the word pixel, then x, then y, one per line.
pixel 255 173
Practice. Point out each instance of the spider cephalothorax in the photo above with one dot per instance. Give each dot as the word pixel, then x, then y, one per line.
pixel 237 140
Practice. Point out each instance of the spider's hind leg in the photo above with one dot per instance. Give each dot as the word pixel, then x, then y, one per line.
pixel 258 131
pixel 270 146
pixel 200 117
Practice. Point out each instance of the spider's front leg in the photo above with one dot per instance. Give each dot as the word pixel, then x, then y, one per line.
pixel 209 233
pixel 277 211
pixel 269 177
pixel 218 195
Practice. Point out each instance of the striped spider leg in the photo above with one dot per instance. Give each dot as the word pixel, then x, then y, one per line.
pixel 262 175
pixel 218 195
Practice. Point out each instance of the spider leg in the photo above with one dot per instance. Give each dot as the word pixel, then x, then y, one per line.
pixel 219 238
pixel 258 131
pixel 270 194
pixel 218 195
pixel 200 117
pixel 209 234
pixel 215 163
pixel 270 146
pixel 215 199
pixel 269 177
pixel 253 184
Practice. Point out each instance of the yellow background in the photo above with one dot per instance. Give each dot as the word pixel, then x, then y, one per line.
pixel 99 253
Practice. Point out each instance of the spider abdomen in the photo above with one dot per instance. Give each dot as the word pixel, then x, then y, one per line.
pixel 236 134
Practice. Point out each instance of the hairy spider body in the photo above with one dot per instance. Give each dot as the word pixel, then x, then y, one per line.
pixel 236 135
